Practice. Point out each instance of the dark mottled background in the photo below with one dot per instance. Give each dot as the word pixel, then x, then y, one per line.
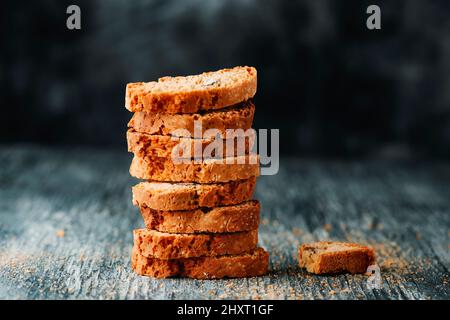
pixel 332 86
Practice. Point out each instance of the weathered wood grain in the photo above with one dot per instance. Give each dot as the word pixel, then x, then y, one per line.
pixel 66 219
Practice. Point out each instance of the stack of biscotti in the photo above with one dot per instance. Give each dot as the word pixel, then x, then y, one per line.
pixel 201 221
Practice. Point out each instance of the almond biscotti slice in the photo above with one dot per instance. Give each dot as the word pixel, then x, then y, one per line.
pixel 207 171
pixel 252 264
pixel 335 257
pixel 161 245
pixel 148 146
pixel 191 94
pixel 236 117
pixel 241 217
pixel 187 196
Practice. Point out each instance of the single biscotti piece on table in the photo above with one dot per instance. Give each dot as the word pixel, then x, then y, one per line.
pixel 187 196
pixel 191 94
pixel 207 171
pixel 148 146
pixel 335 257
pixel 155 244
pixel 251 264
pixel 190 124
pixel 241 217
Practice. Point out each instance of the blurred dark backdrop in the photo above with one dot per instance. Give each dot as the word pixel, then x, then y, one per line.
pixel 329 84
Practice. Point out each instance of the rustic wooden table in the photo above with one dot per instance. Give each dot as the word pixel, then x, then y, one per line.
pixel 66 219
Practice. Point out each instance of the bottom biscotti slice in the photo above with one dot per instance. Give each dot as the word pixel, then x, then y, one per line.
pixel 251 264
pixel 335 257
pixel 207 171
pixel 187 196
pixel 161 245
pixel 241 217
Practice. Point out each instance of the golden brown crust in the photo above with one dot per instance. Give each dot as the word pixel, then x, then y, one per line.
pixel 236 117
pixel 328 257
pixel 148 146
pixel 208 171
pixel 251 264
pixel 190 94
pixel 187 196
pixel 155 244
pixel 241 217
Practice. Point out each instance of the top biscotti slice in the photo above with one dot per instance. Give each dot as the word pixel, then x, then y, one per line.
pixel 335 257
pixel 191 94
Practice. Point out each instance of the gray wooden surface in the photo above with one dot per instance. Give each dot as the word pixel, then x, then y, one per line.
pixel 66 219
